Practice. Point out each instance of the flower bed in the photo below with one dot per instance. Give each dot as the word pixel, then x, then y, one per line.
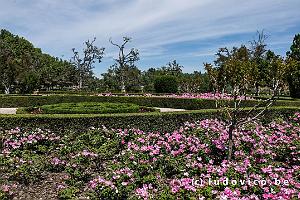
pixel 188 163
pixel 213 96
pixel 207 95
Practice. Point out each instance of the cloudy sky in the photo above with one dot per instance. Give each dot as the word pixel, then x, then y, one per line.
pixel 189 31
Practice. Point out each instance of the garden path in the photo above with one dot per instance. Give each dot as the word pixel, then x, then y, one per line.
pixel 14 110
pixel 170 109
pixel 8 110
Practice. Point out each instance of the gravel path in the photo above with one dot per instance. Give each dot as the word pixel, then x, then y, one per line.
pixel 170 109
pixel 14 110
pixel 8 110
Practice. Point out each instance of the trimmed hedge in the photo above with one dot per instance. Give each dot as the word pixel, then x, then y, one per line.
pixel 168 102
pixel 144 121
pixel 86 108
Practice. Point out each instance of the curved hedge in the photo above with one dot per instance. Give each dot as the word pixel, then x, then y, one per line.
pixel 168 102
pixel 86 108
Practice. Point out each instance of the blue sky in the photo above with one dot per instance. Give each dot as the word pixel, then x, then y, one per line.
pixel 190 31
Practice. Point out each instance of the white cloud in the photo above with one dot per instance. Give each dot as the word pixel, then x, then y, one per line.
pixel 60 25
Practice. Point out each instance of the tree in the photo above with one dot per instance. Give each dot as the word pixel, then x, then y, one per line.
pixel 84 65
pixel 173 68
pixel 124 61
pixel 24 68
pixel 276 70
pixel 130 75
pixel 295 48
pixel 7 67
pixel 166 84
pixel 148 78
pixel 17 56
pixel 193 83
pixel 55 72
pixel 293 63
pixel 234 71
pixel 258 52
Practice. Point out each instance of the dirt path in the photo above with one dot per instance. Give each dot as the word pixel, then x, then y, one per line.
pixel 8 110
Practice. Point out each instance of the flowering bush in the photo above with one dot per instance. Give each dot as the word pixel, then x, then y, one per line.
pixel 188 163
pixel 209 95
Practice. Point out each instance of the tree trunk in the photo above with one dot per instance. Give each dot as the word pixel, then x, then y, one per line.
pixel 80 83
pixel 256 89
pixel 123 90
pixel 7 89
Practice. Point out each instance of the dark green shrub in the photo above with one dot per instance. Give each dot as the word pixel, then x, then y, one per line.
pixel 89 108
pixel 166 84
pixel 164 102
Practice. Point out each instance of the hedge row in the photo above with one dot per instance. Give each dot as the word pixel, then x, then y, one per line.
pixel 86 108
pixel 144 121
pixel 73 92
pixel 189 104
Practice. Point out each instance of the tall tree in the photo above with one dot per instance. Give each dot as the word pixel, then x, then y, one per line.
pixel 233 69
pixel 293 62
pixel 276 70
pixel 85 63
pixel 258 51
pixel 130 75
pixel 125 60
pixel 17 56
pixel 174 68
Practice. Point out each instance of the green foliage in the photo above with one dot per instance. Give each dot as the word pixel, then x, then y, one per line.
pixel 29 83
pixel 166 84
pixel 68 193
pixel 163 102
pixel 130 75
pixel 31 170
pixel 293 62
pixel 24 68
pixel 294 83
pixel 86 108
pixel 295 48
pixel 4 195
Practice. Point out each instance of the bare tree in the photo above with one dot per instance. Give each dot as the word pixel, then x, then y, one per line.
pixel 125 59
pixel 84 65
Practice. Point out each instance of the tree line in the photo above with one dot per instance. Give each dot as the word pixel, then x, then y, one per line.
pixel 253 67
pixel 25 68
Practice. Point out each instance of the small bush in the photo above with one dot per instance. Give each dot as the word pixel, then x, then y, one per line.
pixel 166 84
